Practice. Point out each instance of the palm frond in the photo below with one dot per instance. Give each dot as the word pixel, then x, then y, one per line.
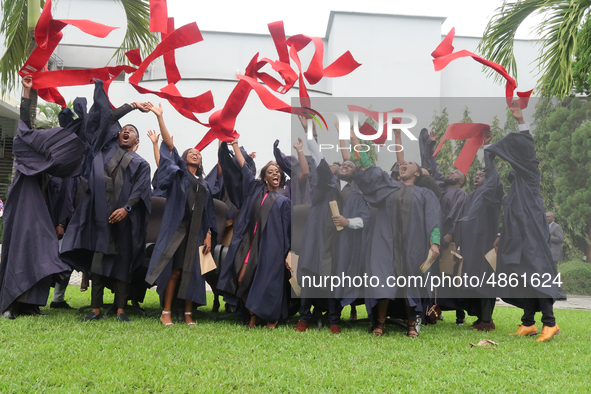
pixel 499 35
pixel 559 32
pixel 138 33
pixel 558 42
pixel 14 26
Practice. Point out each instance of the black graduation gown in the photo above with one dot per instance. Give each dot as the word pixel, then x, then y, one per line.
pixel 174 180
pixel 524 246
pixel 122 244
pixel 477 229
pixel 30 246
pixel 298 192
pixel 268 294
pixel 326 251
pixel 399 249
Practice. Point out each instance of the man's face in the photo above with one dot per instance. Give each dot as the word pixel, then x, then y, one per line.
pixel 549 218
pixel 346 170
pixel 479 179
pixel 455 177
pixel 128 137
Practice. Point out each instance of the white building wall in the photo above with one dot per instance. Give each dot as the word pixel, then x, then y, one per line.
pixel 395 52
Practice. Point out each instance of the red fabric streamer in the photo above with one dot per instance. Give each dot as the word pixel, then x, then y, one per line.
pixel 48 35
pixel 286 49
pixel 444 54
pixel 368 129
pixel 159 17
pixel 172 72
pixel 473 133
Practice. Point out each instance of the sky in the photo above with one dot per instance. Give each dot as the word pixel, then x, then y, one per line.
pixel 310 17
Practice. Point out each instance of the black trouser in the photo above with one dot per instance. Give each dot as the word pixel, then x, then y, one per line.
pixel 334 309
pixel 120 288
pixel 487 306
pixel 531 305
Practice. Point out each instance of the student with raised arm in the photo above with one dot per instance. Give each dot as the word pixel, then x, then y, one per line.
pixel 254 276
pixel 107 233
pixel 187 224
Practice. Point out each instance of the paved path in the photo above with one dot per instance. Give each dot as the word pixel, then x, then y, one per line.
pixel 576 302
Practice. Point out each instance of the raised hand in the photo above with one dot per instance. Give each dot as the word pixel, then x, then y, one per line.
pixel 157 110
pixel 487 137
pixel 298 145
pixel 27 82
pixel 252 155
pixel 433 135
pixel 153 136
pixel 516 111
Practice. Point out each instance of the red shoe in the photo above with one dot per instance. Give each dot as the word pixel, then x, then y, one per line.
pixel 302 326
pixel 335 328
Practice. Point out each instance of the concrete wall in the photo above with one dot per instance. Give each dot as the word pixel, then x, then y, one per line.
pixel 394 50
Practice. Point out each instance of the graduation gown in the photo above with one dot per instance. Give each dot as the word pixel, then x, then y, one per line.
pixel 174 180
pixel 268 292
pixel 326 251
pixel 399 239
pixel 30 246
pixel 524 246
pixel 91 243
pixel 299 192
pixel 477 230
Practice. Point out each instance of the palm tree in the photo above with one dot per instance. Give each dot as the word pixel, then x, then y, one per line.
pixel 19 18
pixel 560 39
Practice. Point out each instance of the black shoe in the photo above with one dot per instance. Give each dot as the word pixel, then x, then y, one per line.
pixel 60 305
pixel 91 317
pixel 8 315
pixel 123 318
pixel 460 322
pixel 31 311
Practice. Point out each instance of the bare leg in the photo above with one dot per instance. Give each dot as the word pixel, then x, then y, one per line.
pixel 382 308
pixel 168 295
pixel 189 312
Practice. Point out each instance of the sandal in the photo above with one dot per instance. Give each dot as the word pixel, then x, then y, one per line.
pixel 272 325
pixel 192 323
pixel 412 331
pixel 380 328
pixel 166 313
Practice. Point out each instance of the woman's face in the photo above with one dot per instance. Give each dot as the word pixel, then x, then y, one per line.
pixel 193 158
pixel 273 176
pixel 408 170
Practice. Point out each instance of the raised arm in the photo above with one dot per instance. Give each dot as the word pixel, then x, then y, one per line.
pixel 398 141
pixel 238 153
pixel 298 146
pixel 342 144
pixel 25 101
pixel 166 138
pixel 127 108
pixel 155 138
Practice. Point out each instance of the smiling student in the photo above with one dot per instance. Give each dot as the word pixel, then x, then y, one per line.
pixel 188 221
pixel 254 275
pixel 107 233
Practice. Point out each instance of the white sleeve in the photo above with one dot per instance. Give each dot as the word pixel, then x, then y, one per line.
pixel 355 223
pixel 314 151
pixel 524 127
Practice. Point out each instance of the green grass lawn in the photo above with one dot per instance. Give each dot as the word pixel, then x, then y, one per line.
pixel 57 353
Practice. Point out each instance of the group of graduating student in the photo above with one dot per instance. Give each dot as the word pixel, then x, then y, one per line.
pixel 82 183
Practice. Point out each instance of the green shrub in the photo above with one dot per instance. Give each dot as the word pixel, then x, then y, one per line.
pixel 576 277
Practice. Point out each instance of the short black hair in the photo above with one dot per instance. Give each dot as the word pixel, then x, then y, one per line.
pixel 135 128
